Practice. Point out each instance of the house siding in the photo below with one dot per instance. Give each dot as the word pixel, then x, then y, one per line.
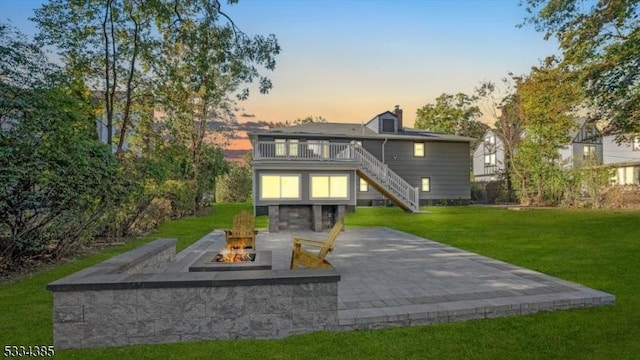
pixel 614 153
pixel 445 163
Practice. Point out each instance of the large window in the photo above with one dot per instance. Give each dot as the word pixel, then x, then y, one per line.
pixel 418 149
pixel 329 186
pixel 364 186
pixel 425 184
pixel 279 186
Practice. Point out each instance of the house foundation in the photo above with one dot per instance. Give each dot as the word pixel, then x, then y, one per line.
pixel 304 217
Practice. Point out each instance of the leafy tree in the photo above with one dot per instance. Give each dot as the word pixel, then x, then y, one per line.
pixel 235 186
pixel 57 182
pixel 599 40
pixel 546 101
pixel 190 49
pixel 452 114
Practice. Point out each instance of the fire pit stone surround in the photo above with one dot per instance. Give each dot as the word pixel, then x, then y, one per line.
pixel 110 304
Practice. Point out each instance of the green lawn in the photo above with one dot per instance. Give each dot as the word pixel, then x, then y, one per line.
pixel 600 249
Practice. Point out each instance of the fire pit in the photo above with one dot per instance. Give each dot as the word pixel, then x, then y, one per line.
pixel 211 261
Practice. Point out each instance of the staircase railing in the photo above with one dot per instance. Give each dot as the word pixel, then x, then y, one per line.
pixel 381 173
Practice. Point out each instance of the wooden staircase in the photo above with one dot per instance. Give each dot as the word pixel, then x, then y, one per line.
pixel 385 181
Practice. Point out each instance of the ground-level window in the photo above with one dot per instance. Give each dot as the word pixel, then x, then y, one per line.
pixel 363 185
pixel 329 186
pixel 628 175
pixel 418 149
pixel 279 186
pixel 588 152
pixel 425 184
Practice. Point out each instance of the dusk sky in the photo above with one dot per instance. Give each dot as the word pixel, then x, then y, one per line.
pixel 348 60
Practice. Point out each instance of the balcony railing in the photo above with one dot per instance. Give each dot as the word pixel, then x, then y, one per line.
pixel 308 150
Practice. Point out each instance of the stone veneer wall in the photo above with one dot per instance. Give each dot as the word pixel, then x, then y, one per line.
pixel 304 217
pixel 109 307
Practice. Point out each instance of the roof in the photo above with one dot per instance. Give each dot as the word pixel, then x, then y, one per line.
pixel 355 131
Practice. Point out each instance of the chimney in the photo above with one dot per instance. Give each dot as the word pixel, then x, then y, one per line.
pixel 398 113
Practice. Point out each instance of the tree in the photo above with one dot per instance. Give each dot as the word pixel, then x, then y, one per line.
pixel 599 41
pixel 502 107
pixel 191 48
pixel 235 186
pixel 546 101
pixel 452 114
pixel 53 192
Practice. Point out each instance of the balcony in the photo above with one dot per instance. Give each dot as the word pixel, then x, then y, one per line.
pixel 306 151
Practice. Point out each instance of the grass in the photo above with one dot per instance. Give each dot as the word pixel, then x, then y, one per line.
pixel 599 249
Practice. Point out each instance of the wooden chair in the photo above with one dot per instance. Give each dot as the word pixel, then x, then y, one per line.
pixel 242 234
pixel 306 258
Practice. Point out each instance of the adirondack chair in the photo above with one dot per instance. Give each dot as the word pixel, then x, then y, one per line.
pixel 312 259
pixel 242 234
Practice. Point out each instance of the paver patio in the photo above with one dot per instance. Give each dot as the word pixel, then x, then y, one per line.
pixel 391 278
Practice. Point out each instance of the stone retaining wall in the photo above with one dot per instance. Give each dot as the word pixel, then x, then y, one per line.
pixel 109 305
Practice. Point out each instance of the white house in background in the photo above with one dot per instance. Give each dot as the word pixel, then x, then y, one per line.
pixel 625 157
pixel 488 157
pixel 585 146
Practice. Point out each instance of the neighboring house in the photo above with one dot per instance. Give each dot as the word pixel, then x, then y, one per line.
pixel 585 146
pixel 625 157
pixel 488 158
pixel 308 175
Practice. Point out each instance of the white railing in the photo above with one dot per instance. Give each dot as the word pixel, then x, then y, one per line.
pixel 381 173
pixel 327 151
pixel 307 150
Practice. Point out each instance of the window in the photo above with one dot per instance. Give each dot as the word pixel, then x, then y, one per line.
pixel 636 143
pixel 490 159
pixel 387 125
pixel 588 152
pixel 281 147
pixel 320 148
pixel 279 186
pixel 363 185
pixel 426 184
pixel 329 186
pixel 490 140
pixel 418 149
pixel 293 147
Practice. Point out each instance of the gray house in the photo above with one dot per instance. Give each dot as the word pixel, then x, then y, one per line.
pixel 308 175
pixel 625 157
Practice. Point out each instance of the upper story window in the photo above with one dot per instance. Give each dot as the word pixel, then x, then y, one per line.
pixel 418 149
pixel 490 159
pixel 636 143
pixel 319 147
pixel 490 140
pixel 279 187
pixel 281 147
pixel 388 125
